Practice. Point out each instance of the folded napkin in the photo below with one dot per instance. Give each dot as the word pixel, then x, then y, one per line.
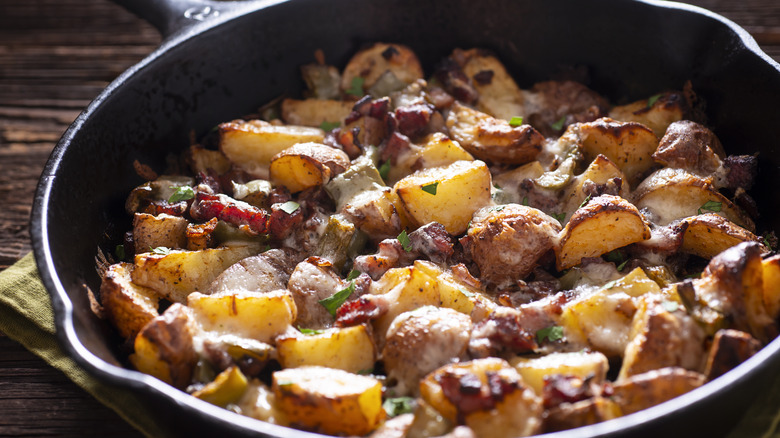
pixel 26 317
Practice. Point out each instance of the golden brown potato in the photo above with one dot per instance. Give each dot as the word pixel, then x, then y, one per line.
pixel 127 306
pixel 421 341
pixel 606 223
pixel 447 195
pixel 164 349
pixel 630 145
pixel 582 364
pixel 671 194
pixel 329 401
pixel 666 108
pixel 228 387
pixel 516 411
pixel 164 230
pixel 653 387
pixel 662 335
pixel 690 146
pixel 581 413
pixel 499 95
pixel 602 175
pixel 372 63
pixel 307 165
pixel 201 236
pixel 729 349
pixel 709 234
pixel 771 285
pixel 315 112
pixel 491 139
pixel 507 241
pixel 251 144
pixel 201 160
pixel 350 349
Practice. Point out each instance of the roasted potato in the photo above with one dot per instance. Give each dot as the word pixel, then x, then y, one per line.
pixel 656 112
pixel 127 306
pixel 201 159
pixel 653 387
pixel 371 64
pixel 259 402
pixel 709 234
pixel 163 230
pixel 329 401
pixel 601 177
pixel 581 413
pixel 312 281
pixel 315 112
pixel 729 349
pixel 606 223
pixel 535 370
pixel 499 95
pixel 771 285
pixel 228 387
pixel 690 146
pixel 307 165
pixel 261 273
pixel 448 195
pixel 493 140
pixel 350 349
pixel 507 241
pixel 251 144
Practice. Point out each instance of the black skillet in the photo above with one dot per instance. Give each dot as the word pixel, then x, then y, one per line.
pixel 221 60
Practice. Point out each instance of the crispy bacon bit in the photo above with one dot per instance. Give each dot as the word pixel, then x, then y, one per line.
pixel 456 82
pixel 234 212
pixel 501 332
pixel 742 170
pixel 395 144
pixel 469 395
pixel 433 241
pixel 413 119
pixel 485 77
pixel 440 98
pixel 567 389
pixel 210 179
pixel 159 207
pixel 279 195
pixel 281 224
pixel 361 310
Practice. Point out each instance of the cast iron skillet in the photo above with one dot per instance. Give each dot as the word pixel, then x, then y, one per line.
pixel 243 55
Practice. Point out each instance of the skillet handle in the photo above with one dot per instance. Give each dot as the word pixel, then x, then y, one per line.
pixel 172 16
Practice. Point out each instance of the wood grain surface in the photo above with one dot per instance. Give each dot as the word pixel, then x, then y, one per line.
pixel 55 57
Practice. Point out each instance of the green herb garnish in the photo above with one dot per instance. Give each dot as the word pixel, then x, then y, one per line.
pixel 182 193
pixel 329 126
pixel 585 202
pixel 306 331
pixel 614 256
pixel 430 188
pixel 333 302
pixel 559 124
pixel 366 371
pixel 384 170
pixel 610 285
pixel 289 207
pixel 711 206
pixel 119 252
pixel 353 274
pixel 398 405
pixel 622 265
pixel 552 334
pixel 516 121
pixel 653 99
pixel 525 201
pixel 356 87
pixel 405 242
pixel 560 217
pixel 160 250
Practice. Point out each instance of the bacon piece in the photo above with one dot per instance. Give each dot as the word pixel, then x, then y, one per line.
pixel 234 212
pixel 433 241
pixel 364 309
pixel 501 332
pixel 393 147
pixel 456 82
pixel 559 389
pixel 282 224
pixel 413 119
pixel 159 207
pixel 469 395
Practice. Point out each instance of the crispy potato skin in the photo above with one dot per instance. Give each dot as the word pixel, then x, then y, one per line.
pixel 371 63
pixel 668 108
pixel 709 234
pixel 499 95
pixel 350 349
pixel 729 349
pixel 582 413
pixel 314 112
pixel 653 387
pixel 128 307
pixel 164 230
pixel 691 146
pixel 307 165
pixel 506 242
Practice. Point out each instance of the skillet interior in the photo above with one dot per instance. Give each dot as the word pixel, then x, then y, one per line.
pixel 223 70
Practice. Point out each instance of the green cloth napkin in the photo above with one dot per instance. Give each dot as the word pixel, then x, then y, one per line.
pixel 26 317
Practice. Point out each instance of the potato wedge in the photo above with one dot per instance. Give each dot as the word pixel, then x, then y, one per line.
pixel 440 150
pixel 630 145
pixel 259 402
pixel 164 230
pixel 178 273
pixel 654 387
pixel 672 194
pixel 164 348
pixel 690 146
pixel 729 349
pixel 664 109
pixel 593 365
pixel 464 298
pixel 771 285
pixel 329 401
pixel 350 349
pixel 581 413
pixel 449 195
pixel 499 95
pixel 606 223
pixel 228 387
pixel 507 241
pixel 251 144
pixel 709 234
pixel 491 139
pixel 315 112
pixel 601 173
pixel 127 306
pixel 254 315
pixel 201 159
pixel 372 63
pixel 306 165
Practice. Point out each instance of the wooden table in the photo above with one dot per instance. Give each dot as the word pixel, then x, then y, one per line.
pixel 55 57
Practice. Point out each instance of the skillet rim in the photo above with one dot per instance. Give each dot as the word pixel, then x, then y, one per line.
pixel 97 367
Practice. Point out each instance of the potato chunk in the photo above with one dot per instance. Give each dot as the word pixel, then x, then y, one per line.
pixel 607 222
pixel 499 95
pixel 707 235
pixel 448 195
pixel 250 145
pixel 630 145
pixel 374 62
pixel 128 307
pixel 601 176
pixel 593 365
pixel 491 139
pixel 729 349
pixel 654 387
pixel 691 146
pixel 666 108
pixel 771 285
pixel 151 231
pixel 307 165
pixel 329 401
pixel 350 349
pixel 507 241
pixel 315 112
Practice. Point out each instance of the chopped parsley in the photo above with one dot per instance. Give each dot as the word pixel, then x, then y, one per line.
pixel 289 207
pixel 333 302
pixel 516 121
pixel 653 99
pixel 398 405
pixel 622 265
pixel 525 201
pixel 670 306
pixel 306 331
pixel 160 250
pixel 329 126
pixel 353 274
pixel 559 124
pixel 585 202
pixel 356 87
pixel 615 256
pixel 560 217
pixel 711 206
pixel 119 252
pixel 182 193
pixel 366 371
pixel 552 334
pixel 405 242
pixel 384 170
pixel 430 188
